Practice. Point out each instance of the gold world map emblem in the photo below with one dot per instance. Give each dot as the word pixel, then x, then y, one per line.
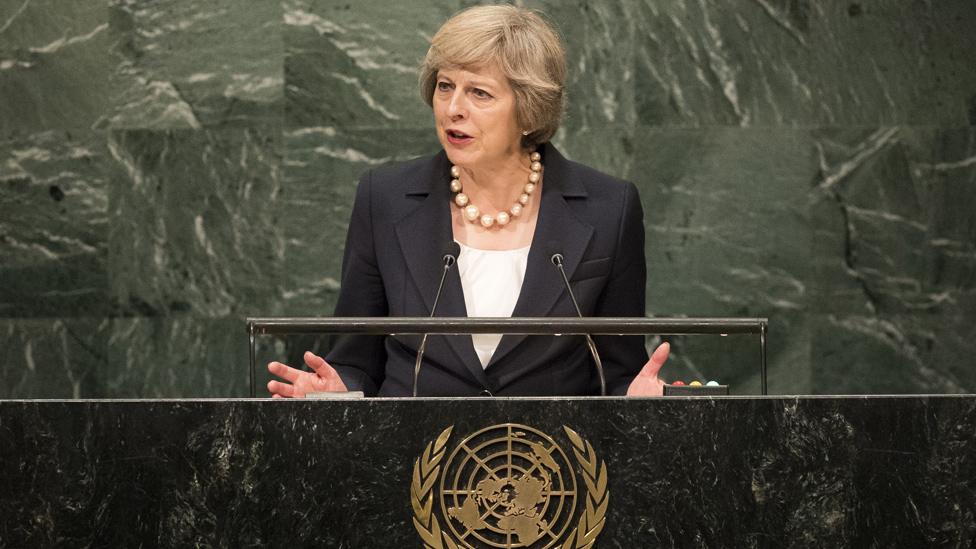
pixel 509 485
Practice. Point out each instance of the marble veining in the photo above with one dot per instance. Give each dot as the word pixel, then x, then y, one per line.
pixel 357 68
pixel 53 225
pixel 792 63
pixel 192 65
pixel 53 70
pixel 884 471
pixel 195 228
pixel 902 292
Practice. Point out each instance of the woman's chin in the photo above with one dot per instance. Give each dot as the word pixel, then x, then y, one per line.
pixel 460 158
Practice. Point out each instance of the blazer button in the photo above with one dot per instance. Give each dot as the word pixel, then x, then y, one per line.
pixel 486 393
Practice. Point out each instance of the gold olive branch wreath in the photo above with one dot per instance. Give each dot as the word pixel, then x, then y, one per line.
pixel 427 467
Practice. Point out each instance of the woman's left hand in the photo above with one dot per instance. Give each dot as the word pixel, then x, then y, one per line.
pixel 647 383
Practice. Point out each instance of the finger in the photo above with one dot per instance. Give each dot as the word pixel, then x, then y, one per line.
pixel 281 389
pixel 327 378
pixel 277 396
pixel 657 360
pixel 320 366
pixel 284 371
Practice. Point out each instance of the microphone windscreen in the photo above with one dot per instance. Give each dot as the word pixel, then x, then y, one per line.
pixel 451 253
pixel 453 248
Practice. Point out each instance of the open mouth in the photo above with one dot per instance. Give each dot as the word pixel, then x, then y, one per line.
pixel 455 136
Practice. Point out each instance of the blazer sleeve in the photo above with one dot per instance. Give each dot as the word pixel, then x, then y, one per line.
pixel 360 360
pixel 624 296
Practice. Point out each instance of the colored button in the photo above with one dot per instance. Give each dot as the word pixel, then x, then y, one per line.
pixel 695 383
pixel 678 383
pixel 712 383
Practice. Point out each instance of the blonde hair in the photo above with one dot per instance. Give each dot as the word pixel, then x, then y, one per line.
pixel 522 45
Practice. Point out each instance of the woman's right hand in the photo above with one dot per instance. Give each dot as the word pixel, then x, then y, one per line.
pixel 322 378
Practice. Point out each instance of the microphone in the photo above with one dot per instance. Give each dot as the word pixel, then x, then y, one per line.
pixel 557 260
pixel 449 259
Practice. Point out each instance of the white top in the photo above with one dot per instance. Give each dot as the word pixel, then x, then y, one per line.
pixel 491 280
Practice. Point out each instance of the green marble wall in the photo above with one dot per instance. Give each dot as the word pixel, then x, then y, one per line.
pixel 170 167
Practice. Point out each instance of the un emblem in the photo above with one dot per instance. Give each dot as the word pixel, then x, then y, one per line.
pixel 509 485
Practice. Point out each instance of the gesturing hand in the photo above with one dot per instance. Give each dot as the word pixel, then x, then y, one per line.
pixel 647 383
pixel 322 378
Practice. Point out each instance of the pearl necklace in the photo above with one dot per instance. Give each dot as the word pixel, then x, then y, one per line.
pixel 473 214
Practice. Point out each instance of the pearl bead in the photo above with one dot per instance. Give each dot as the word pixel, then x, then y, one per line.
pixel 473 214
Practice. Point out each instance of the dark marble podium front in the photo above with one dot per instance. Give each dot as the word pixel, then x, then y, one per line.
pixel 722 472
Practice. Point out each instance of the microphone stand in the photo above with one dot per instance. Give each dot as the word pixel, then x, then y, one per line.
pixel 557 260
pixel 449 260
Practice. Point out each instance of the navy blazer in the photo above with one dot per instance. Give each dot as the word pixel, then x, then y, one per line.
pixel 401 228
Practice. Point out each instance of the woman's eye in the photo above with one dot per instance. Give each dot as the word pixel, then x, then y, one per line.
pixel 444 86
pixel 481 93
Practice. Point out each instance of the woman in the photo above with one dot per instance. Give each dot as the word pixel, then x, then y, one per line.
pixel 494 77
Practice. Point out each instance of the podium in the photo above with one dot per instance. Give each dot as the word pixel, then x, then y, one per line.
pixel 671 472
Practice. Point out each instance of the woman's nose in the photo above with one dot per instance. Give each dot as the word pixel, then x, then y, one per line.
pixel 456 108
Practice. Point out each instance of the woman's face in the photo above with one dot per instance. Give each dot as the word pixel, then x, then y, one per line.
pixel 474 112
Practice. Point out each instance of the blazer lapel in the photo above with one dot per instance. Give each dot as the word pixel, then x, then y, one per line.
pixel 424 234
pixel 558 230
